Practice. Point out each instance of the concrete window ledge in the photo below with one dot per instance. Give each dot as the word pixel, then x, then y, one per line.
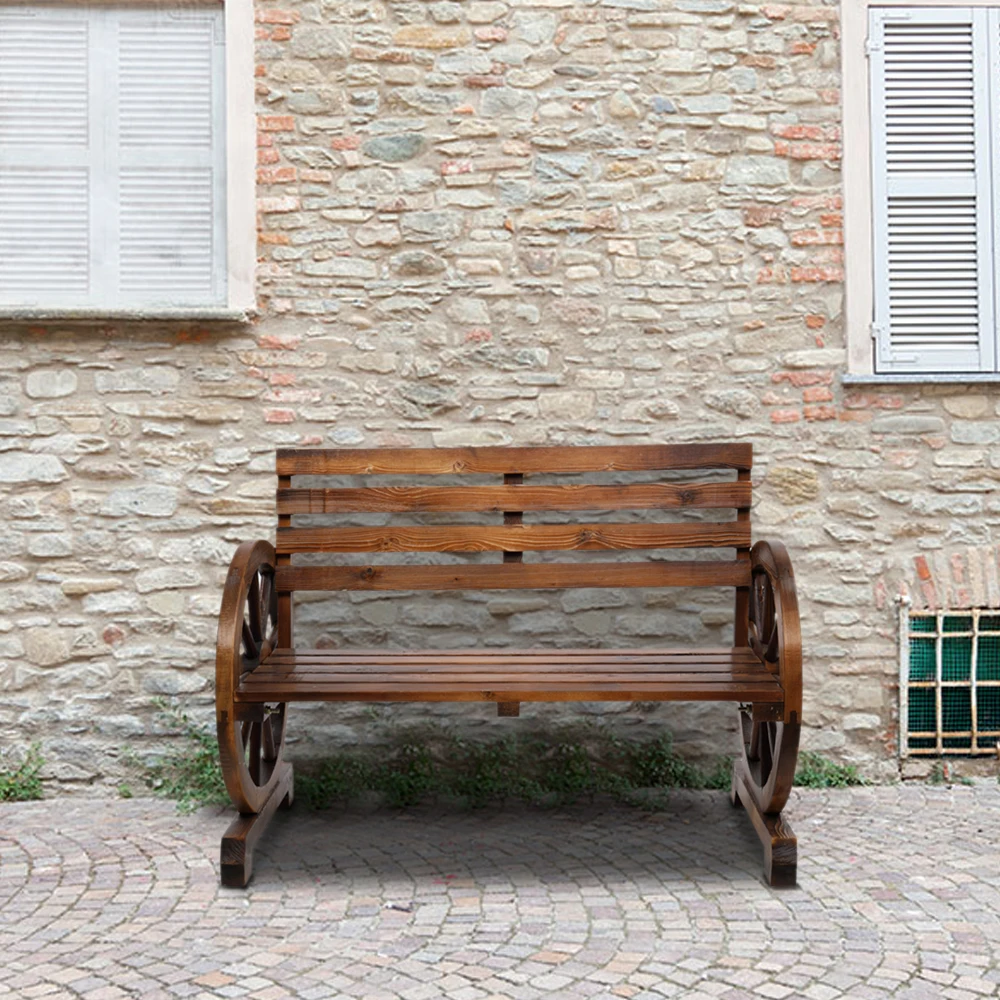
pixel 923 378
pixel 220 315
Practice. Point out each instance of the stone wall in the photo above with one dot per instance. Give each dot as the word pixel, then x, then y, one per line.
pixel 489 222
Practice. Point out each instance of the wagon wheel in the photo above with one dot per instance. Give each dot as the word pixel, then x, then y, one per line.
pixel 770 748
pixel 251 736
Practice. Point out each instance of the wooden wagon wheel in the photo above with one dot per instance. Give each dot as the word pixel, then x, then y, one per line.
pixel 251 736
pixel 770 747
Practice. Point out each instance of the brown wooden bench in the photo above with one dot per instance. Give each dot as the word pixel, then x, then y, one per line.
pixel 259 670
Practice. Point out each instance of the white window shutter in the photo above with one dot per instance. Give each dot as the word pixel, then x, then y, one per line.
pixel 170 155
pixel 931 190
pixel 112 157
pixel 46 153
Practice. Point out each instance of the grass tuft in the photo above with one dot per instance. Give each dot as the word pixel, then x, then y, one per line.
pixel 21 782
pixel 817 771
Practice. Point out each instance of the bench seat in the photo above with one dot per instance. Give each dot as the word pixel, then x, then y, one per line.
pixel 509 675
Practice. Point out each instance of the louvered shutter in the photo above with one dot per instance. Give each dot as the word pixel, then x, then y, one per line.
pixel 931 190
pixel 46 156
pixel 171 123
pixel 112 157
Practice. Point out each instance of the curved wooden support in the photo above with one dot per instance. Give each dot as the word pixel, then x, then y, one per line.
pixel 763 776
pixel 251 737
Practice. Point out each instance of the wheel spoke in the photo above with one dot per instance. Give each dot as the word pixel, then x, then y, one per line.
pixel 253 608
pixel 250 642
pixel 255 751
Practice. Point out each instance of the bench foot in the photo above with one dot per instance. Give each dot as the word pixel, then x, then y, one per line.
pixel 240 839
pixel 781 852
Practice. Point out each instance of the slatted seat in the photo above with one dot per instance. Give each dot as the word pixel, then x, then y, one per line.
pixel 259 670
pixel 508 676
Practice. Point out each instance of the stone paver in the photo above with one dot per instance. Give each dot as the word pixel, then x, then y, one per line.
pixel 899 896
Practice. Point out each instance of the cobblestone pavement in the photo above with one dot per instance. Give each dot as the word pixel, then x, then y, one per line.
pixel 898 897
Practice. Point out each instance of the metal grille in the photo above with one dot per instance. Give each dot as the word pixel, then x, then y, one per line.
pixel 950 683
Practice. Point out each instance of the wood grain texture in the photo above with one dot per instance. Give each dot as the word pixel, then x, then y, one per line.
pixel 512 675
pixel 497 499
pixel 514 576
pixel 499 460
pixel 512 537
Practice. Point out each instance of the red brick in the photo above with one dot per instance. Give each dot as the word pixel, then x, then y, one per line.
pixel 817 394
pixel 113 635
pixel 310 439
pixel 799 131
pixel 270 342
pixel 273 239
pixel 267 156
pixel 785 416
pixel 346 142
pixel 281 34
pixel 923 570
pixel 278 175
pixel 808 150
pixel 830 202
pixel 282 378
pixel 803 48
pixel 491 34
pixel 276 123
pixel 801 379
pixel 772 275
pixel 271 15
pixel 832 220
pixel 820 412
pixel 484 81
pixel 815 321
pixel 449 168
pixel 817 274
pixel 760 215
pixel 854 416
pixel 279 416
pixel 817 237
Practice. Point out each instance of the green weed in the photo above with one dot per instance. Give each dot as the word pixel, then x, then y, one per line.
pixel 191 775
pixel 817 771
pixel 21 782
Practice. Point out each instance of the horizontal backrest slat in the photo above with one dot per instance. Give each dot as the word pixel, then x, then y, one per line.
pixel 512 538
pixel 414 461
pixel 515 576
pixel 500 498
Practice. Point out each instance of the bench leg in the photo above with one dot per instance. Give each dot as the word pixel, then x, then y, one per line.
pixel 239 841
pixel 780 845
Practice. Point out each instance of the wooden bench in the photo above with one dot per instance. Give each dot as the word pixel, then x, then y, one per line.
pixel 259 670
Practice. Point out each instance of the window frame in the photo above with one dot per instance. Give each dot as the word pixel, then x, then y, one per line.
pixel 240 180
pixel 858 187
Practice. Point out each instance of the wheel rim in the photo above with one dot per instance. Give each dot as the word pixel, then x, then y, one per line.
pixel 770 748
pixel 252 736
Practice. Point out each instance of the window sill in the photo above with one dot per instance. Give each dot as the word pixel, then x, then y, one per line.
pixel 206 315
pixel 923 378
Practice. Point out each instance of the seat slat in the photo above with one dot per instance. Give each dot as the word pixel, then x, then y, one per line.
pixel 515 576
pixel 412 461
pixel 512 538
pixel 497 499
pixel 501 658
pixel 499 690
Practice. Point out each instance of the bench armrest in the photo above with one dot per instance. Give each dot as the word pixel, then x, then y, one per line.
pixel 775 633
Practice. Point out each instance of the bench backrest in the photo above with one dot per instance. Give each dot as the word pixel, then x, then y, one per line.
pixel 510 497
